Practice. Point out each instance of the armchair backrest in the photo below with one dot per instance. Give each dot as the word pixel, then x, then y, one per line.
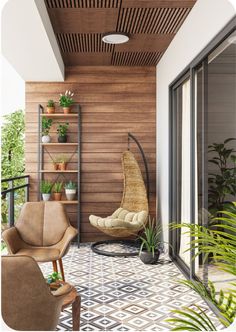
pixel 27 303
pixel 42 223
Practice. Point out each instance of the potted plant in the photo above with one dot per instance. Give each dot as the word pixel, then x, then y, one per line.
pixel 66 101
pixel 46 125
pixel 150 242
pixel 57 190
pixel 46 188
pixel 70 189
pixel 54 280
pixel 62 132
pixel 51 106
pixel 62 162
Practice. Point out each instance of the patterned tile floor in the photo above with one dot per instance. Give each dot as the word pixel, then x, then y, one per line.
pixel 123 294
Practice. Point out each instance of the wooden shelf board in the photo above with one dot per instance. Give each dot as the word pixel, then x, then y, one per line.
pixel 60 115
pixel 64 202
pixel 54 171
pixel 59 144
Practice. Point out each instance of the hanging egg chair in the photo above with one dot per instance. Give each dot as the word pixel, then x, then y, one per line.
pixel 132 214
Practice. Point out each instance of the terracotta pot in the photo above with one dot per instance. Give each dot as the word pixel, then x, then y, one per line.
pixel 62 166
pixel 57 196
pixel 66 110
pixel 50 110
pixel 55 166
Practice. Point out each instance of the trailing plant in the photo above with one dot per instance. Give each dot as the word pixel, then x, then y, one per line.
pixel 46 125
pixel 221 183
pixel 150 238
pixel 66 99
pixel 70 185
pixel 62 129
pixel 54 277
pixel 57 187
pixel 46 187
pixel 221 244
pixel 51 103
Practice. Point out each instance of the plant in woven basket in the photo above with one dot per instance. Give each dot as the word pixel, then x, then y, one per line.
pixel 221 244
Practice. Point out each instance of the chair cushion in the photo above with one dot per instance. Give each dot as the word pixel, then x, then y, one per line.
pixel 121 218
pixel 41 254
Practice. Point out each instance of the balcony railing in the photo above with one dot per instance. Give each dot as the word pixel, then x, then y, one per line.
pixel 9 190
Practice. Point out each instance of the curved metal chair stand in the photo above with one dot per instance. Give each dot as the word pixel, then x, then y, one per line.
pixel 123 223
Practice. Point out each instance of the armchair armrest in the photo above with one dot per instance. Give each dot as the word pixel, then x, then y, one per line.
pixel 69 234
pixel 63 290
pixel 12 239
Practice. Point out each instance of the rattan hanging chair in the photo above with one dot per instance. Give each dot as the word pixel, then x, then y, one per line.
pixel 132 214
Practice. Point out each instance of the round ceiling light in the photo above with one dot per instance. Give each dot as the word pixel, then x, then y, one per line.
pixel 115 38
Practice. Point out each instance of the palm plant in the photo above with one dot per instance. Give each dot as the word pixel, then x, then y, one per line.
pixel 221 244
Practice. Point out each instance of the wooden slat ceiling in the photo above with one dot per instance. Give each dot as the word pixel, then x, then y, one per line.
pixel 151 25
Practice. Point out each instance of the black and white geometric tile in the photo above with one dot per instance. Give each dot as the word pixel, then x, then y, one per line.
pixel 123 294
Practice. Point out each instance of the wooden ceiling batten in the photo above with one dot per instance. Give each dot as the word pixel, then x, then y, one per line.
pixel 151 20
pixel 151 25
pixel 83 3
pixel 82 42
pixel 135 58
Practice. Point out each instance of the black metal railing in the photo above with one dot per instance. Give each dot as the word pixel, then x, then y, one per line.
pixel 8 193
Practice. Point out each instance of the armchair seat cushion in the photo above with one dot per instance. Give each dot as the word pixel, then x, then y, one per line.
pixel 41 254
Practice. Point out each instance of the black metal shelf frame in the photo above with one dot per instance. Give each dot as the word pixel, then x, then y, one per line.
pixel 43 149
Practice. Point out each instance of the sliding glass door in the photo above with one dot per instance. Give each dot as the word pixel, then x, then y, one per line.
pixel 203 150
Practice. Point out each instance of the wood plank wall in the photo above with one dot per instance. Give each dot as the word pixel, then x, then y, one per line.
pixel 114 101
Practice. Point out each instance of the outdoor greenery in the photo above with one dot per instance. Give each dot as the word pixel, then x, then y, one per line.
pixel 70 185
pixel 57 187
pixel 62 129
pixel 150 238
pixel 220 243
pixel 46 187
pixel 66 99
pixel 12 159
pixel 46 125
pixel 220 182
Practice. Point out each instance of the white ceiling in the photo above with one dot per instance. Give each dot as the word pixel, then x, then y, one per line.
pixel 28 41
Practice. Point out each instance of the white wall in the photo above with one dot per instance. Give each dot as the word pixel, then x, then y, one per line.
pixel 28 41
pixel 206 19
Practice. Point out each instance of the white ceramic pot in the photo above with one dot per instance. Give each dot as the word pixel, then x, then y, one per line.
pixel 70 194
pixel 46 197
pixel 46 139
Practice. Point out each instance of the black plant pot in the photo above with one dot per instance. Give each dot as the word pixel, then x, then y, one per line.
pixel 148 257
pixel 62 139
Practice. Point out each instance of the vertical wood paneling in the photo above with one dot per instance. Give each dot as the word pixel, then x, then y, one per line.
pixel 114 101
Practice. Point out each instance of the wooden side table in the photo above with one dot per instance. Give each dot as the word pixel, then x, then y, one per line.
pixel 74 299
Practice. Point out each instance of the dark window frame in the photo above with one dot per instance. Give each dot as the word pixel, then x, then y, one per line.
pixel 189 71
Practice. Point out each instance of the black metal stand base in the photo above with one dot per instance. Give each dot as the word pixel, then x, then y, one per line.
pixel 132 243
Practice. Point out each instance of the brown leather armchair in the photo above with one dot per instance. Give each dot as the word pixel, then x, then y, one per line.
pixel 42 231
pixel 27 303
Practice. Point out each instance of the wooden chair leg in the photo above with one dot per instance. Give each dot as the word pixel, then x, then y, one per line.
pixel 61 268
pixel 54 264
